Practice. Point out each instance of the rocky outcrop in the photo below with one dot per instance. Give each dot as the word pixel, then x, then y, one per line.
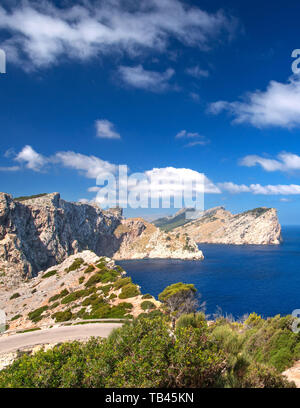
pixel 40 232
pixel 82 287
pixel 218 226
pixel 140 239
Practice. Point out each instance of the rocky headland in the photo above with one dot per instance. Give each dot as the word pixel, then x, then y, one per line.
pixel 259 226
pixel 37 233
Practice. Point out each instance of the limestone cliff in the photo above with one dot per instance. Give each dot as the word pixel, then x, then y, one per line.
pixel 218 226
pixel 43 231
pixel 40 232
pixel 141 239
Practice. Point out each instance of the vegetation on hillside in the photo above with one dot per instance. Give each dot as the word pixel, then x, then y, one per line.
pixel 147 353
pixel 24 198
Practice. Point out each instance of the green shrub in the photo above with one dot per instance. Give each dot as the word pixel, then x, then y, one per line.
pixel 15 296
pixel 54 305
pixel 81 280
pixel 191 319
pixel 113 296
pixel 36 315
pixel 63 316
pixel 122 282
pixel 147 296
pixel 75 295
pixel 129 291
pixel 75 265
pixel 106 289
pixel 16 317
pixel 48 274
pixel 141 354
pixel 55 297
pixel 89 269
pixel 147 305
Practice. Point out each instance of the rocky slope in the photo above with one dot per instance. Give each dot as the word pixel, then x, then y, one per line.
pixel 83 287
pixel 218 226
pixel 141 239
pixel 40 232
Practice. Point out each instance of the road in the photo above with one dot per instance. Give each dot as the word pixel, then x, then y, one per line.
pixel 56 335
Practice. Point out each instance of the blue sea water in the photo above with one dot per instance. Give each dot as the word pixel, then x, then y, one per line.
pixel 238 279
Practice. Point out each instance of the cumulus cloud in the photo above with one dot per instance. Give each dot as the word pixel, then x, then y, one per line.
pixel 197 72
pixel 285 162
pixel 279 189
pixel 31 158
pixel 41 33
pixel 278 105
pixel 105 130
pixel 138 77
pixel 89 166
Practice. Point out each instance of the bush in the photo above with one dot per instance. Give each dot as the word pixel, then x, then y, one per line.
pixel 89 269
pixel 191 320
pixel 147 296
pixel 81 280
pixel 122 282
pixel 15 296
pixel 140 354
pixel 63 316
pixel 48 274
pixel 75 265
pixel 36 315
pixel 147 305
pixel 16 317
pixel 129 291
pixel 54 305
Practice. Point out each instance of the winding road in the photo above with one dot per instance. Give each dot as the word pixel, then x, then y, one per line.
pixel 55 335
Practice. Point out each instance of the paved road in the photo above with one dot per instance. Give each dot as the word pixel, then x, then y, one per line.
pixel 55 335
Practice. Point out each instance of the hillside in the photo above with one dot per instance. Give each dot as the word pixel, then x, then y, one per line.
pixel 84 286
pixel 259 226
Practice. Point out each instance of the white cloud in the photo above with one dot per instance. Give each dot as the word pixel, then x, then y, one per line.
pixel 41 34
pixel 197 72
pixel 90 166
pixel 280 189
pixel 278 105
pixel 105 130
pixel 200 139
pixel 10 168
pixel 31 158
pixel 138 77
pixel 285 200
pixel 284 162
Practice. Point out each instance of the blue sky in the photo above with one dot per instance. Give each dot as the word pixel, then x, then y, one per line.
pixel 200 85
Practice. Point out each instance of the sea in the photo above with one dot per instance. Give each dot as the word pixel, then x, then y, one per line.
pixel 232 280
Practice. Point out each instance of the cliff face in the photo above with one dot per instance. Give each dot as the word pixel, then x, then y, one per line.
pixel 139 240
pixel 218 226
pixel 38 233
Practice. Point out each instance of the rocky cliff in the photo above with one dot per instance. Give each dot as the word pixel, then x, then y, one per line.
pixel 218 226
pixel 140 239
pixel 43 231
